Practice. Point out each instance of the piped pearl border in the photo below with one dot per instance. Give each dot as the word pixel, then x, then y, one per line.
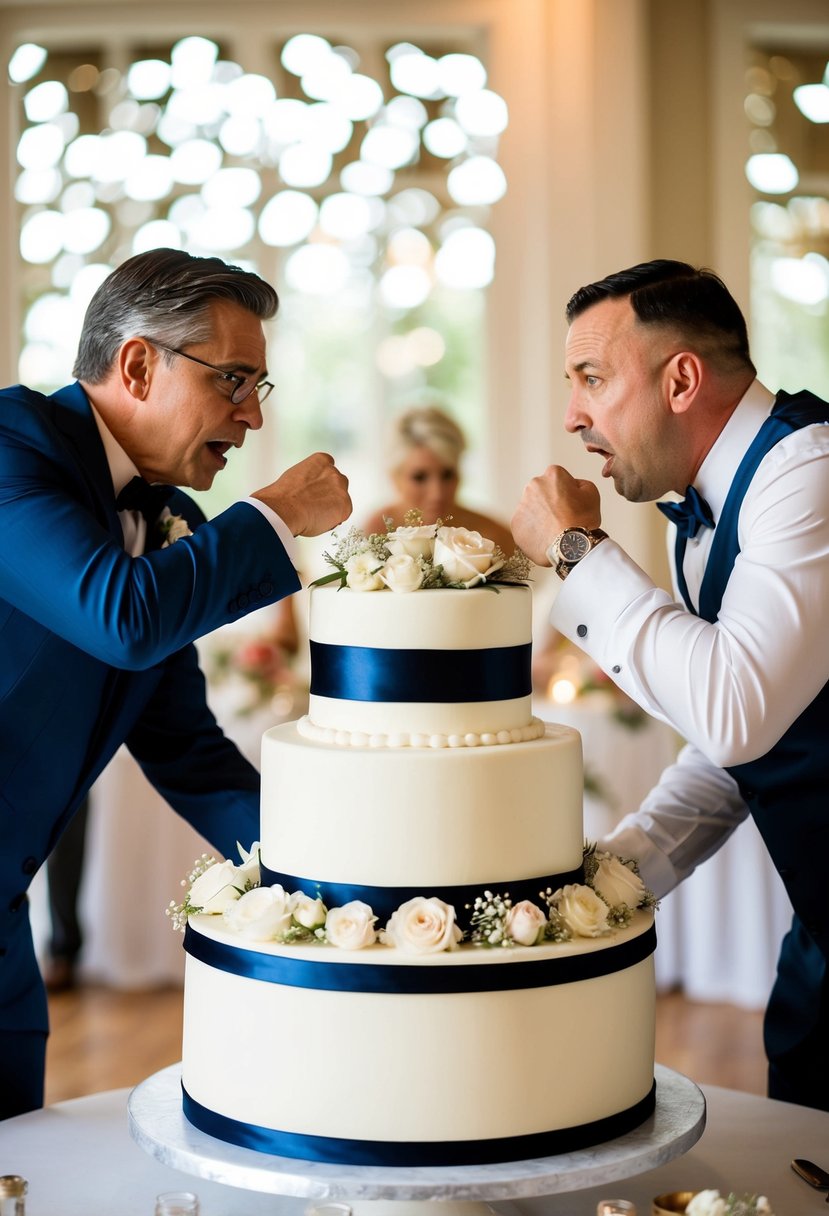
pixel 358 738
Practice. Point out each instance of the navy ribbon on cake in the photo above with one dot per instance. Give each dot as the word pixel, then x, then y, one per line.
pixel 385 900
pixel 326 974
pixel 363 673
pixel 338 1151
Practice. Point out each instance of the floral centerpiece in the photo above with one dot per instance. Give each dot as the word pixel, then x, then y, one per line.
pixel 262 671
pixel 419 557
pixel 712 1203
pixel 607 899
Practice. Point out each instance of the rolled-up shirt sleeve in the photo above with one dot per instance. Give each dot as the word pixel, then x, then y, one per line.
pixel 681 823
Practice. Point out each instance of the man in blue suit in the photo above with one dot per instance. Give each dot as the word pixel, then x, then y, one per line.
pixel 664 390
pixel 108 574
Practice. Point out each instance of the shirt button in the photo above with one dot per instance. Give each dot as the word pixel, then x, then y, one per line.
pixel 582 631
pixel 616 669
pixel 29 865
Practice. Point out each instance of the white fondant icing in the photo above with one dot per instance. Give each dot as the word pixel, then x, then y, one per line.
pixel 406 817
pixel 478 619
pixel 358 738
pixel 436 1066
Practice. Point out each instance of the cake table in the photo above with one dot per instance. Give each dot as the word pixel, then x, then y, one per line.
pixel 158 1125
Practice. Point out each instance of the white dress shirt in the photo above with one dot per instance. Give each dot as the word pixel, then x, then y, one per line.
pixel 731 688
pixel 133 524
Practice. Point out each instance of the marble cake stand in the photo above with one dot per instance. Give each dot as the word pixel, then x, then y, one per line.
pixel 158 1125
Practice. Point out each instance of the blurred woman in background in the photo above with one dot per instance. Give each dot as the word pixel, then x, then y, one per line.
pixel 424 466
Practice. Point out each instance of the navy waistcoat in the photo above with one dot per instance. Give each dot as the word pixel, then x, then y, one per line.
pixel 786 789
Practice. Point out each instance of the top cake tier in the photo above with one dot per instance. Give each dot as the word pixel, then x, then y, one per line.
pixel 431 668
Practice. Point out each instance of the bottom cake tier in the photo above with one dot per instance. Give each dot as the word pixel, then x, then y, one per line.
pixel 375 1058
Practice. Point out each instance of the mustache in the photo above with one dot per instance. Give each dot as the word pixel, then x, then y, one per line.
pixel 594 439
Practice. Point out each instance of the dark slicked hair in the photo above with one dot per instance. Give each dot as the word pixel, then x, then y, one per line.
pixel 695 303
pixel 163 295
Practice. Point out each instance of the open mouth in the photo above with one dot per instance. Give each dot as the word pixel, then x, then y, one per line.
pixel 219 447
pixel 608 458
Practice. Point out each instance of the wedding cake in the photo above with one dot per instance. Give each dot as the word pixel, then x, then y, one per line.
pixel 433 971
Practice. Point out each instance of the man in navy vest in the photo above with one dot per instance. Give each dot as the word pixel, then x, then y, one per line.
pixel 108 574
pixel 663 389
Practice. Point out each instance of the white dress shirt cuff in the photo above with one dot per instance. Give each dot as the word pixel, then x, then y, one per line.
pixel 278 524
pixel 600 592
pixel 655 869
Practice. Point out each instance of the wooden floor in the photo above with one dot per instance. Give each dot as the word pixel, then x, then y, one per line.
pixel 102 1039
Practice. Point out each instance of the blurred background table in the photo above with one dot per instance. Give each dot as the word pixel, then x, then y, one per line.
pixel 138 850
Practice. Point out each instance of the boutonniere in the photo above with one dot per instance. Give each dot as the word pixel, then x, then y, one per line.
pixel 172 527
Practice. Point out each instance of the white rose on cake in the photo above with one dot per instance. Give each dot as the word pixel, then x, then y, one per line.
pixel 363 572
pixel 249 869
pixel 402 573
pixel 526 923
pixel 423 926
pixel 260 915
pixel 307 912
pixel 583 911
pixel 412 542
pixel 217 888
pixel 351 927
pixel 466 557
pixel 617 883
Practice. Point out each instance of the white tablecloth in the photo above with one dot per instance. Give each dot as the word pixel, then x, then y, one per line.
pixel 80 1160
pixel 718 933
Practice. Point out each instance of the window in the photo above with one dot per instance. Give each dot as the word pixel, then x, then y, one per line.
pixel 787 104
pixel 363 195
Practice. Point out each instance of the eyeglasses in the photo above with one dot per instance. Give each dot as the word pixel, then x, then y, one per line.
pixel 244 385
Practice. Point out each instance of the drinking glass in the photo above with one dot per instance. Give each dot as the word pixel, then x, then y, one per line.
pixel 177 1203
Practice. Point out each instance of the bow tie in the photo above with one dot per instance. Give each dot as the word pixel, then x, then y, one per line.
pixel 689 515
pixel 139 495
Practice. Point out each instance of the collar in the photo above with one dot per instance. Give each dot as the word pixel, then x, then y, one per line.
pixel 716 472
pixel 121 468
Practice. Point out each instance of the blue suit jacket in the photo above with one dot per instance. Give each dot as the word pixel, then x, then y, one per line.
pixel 96 650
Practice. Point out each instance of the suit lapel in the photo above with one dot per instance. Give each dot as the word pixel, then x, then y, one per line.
pixel 75 419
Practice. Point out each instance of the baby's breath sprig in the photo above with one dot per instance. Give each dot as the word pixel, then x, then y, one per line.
pixel 298 935
pixel 516 569
pixel 620 915
pixel 557 929
pixel 178 913
pixel 488 922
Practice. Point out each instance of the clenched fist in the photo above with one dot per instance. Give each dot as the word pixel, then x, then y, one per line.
pixel 311 497
pixel 552 502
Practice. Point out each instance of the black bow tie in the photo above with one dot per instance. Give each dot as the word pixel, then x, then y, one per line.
pixel 139 495
pixel 689 515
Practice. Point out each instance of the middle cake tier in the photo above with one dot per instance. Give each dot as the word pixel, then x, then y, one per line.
pixel 383 825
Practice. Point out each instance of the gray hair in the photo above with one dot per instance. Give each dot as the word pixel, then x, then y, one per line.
pixel 163 295
pixel 426 427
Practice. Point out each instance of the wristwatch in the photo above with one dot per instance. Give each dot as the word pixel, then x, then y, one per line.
pixel 571 545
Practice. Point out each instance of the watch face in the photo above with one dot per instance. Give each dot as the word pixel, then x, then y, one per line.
pixel 573 545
